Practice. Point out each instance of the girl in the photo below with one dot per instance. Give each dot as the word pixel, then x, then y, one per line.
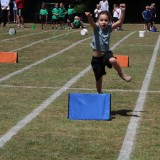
pixel 20 13
pixel 97 11
pixel 43 15
pixel 102 56
pixel 55 17
pixel 116 14
pixel 14 11
pixel 70 17
pixel 62 14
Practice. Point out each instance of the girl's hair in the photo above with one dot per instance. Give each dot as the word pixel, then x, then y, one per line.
pixel 107 13
pixel 71 5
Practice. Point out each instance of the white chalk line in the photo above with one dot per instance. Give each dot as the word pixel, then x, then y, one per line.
pixel 14 130
pixel 40 61
pixel 130 137
pixel 42 40
pixel 79 89
pixel 26 35
pixel 16 31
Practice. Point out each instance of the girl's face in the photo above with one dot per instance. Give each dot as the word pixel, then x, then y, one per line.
pixel 43 6
pixel 103 21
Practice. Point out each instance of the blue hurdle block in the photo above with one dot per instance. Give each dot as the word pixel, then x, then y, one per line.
pixel 89 106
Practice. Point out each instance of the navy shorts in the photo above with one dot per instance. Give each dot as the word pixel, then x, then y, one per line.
pixel 99 63
pixel 43 19
pixel 55 21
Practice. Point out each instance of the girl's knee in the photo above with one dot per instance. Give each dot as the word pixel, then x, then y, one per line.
pixel 112 60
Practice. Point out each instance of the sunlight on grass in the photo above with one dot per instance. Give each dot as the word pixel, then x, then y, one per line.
pixel 51 135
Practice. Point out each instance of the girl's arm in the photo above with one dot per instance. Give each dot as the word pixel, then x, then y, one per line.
pixel 90 19
pixel 121 19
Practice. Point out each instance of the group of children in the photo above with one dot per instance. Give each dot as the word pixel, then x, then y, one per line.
pixel 102 56
pixel 60 16
pixel 149 15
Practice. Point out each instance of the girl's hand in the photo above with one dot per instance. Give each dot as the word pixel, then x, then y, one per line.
pixel 122 6
pixel 88 14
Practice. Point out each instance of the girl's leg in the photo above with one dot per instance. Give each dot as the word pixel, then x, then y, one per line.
pixel 22 21
pixel 69 23
pixel 18 21
pixel 117 67
pixel 99 85
pixel 53 25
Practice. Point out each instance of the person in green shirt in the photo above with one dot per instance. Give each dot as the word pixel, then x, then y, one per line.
pixel 70 17
pixel 62 14
pixel 43 16
pixel 55 17
pixel 77 23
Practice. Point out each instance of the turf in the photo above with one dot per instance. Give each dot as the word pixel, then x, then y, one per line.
pixel 51 135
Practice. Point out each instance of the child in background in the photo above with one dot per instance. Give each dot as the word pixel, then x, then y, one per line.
pixel 146 14
pixel 102 56
pixel 70 17
pixel 20 13
pixel 153 16
pixel 116 14
pixel 55 17
pixel 77 23
pixel 43 16
pixel 62 15
pixel 97 11
pixel 14 11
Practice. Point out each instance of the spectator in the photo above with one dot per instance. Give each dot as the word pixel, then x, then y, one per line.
pixel 146 14
pixel 77 23
pixel 20 13
pixel 70 17
pixel 5 6
pixel 0 14
pixel 43 16
pixel 97 11
pixel 116 14
pixel 153 15
pixel 104 5
pixel 62 14
pixel 55 17
pixel 14 11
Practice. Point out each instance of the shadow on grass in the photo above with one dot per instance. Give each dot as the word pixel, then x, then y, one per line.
pixel 123 112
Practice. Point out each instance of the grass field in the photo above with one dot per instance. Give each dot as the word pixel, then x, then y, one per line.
pixel 52 64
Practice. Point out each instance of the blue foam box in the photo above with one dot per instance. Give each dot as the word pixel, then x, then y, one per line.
pixel 88 106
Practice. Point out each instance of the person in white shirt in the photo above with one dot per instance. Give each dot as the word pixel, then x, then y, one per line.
pixel 104 5
pixel 116 13
pixel 5 8
pixel 97 11
pixel 116 16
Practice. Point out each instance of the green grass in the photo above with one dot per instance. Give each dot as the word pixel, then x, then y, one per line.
pixel 51 136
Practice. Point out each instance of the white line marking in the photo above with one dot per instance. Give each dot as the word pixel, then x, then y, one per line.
pixel 13 131
pixel 42 40
pixel 39 62
pixel 16 31
pixel 130 137
pixel 30 34
pixel 80 89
